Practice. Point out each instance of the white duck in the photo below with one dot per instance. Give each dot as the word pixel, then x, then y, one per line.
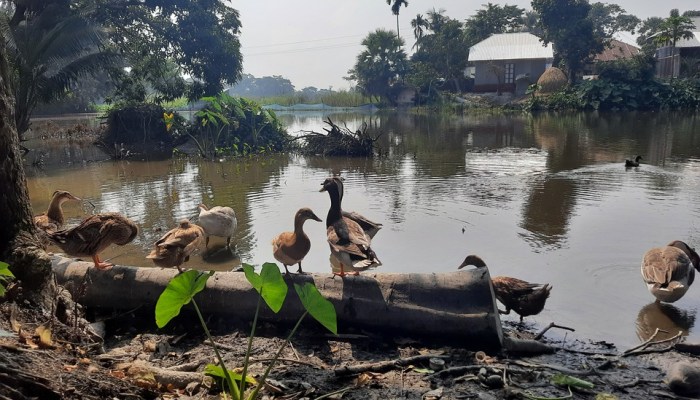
pixel 217 221
pixel 670 270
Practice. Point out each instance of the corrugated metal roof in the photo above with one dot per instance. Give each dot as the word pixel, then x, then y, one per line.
pixel 694 42
pixel 510 46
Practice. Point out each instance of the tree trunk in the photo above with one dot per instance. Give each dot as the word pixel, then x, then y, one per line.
pixel 19 245
pixel 453 307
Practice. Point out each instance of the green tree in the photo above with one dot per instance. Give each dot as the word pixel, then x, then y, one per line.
pixel 48 56
pixel 492 19
pixel 530 23
pixel 609 19
pixel 418 24
pixel 566 25
pixel 381 65
pixel 443 53
pixel 395 9
pixel 646 31
pixel 673 29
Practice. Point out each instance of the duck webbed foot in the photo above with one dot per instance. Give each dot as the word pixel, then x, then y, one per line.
pixel 101 265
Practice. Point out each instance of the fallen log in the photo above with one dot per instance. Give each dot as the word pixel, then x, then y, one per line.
pixel 457 307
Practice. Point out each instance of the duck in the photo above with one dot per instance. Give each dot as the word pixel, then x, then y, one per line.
pixel 175 247
pixel 515 294
pixel 52 220
pixel 669 271
pixel 217 221
pixel 290 248
pixel 349 243
pixel 635 163
pixel 370 227
pixel 94 234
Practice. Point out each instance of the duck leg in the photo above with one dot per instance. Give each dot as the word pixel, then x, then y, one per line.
pixel 101 264
pixel 285 269
pixel 299 271
pixel 341 273
pixel 206 242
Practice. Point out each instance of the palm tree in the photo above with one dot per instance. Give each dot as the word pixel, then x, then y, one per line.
pixel 436 20
pixel 395 8
pixel 47 58
pixel 671 30
pixel 418 24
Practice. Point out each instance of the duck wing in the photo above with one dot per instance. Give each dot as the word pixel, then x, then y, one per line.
pixel 368 226
pixel 663 265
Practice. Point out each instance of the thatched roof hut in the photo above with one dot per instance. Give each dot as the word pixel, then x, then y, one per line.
pixel 553 79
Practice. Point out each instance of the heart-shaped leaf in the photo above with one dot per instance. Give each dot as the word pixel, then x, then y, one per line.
pixel 321 309
pixel 180 291
pixel 269 284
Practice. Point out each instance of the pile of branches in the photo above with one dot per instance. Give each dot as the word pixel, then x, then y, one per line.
pixel 339 141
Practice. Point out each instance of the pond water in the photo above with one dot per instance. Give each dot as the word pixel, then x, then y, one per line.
pixel 544 198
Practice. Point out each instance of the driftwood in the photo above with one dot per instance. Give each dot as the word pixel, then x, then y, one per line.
pixel 382 366
pixel 455 307
pixel 340 141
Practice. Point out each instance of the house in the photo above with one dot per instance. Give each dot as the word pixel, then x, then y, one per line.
pixel 506 59
pixel 615 50
pixel 683 59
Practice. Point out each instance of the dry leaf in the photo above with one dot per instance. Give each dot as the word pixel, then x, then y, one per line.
pixel 70 368
pixel 44 334
pixel 85 361
pixel 117 374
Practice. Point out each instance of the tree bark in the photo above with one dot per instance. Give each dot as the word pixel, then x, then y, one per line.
pixel 19 244
pixel 453 307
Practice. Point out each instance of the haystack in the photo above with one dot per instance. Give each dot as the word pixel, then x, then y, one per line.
pixel 552 80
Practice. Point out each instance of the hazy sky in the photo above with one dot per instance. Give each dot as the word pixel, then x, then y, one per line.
pixel 315 42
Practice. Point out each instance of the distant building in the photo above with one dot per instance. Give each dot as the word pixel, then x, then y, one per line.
pixel 684 59
pixel 506 60
pixel 616 50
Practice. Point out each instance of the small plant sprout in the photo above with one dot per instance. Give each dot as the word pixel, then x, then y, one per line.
pixel 272 289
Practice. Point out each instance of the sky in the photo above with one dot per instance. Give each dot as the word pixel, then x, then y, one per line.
pixel 315 42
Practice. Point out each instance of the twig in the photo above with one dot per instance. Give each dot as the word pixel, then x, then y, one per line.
pixel 659 393
pixel 643 349
pixel 646 342
pixel 564 370
pixel 383 365
pixel 339 391
pixel 550 326
pixel 291 360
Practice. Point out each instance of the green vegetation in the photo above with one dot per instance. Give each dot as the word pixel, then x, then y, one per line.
pixel 272 289
pixel 5 275
pixel 340 98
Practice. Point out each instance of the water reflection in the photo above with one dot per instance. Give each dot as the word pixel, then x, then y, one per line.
pixel 667 318
pixel 545 198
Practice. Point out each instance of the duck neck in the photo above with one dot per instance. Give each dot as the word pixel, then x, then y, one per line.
pixel 299 226
pixel 55 212
pixel 334 213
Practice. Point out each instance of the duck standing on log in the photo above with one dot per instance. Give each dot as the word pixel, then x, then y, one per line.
pixel 217 221
pixel 349 243
pixel 94 234
pixel 290 248
pixel 669 271
pixel 52 220
pixel 523 297
pixel 175 247
pixel 633 163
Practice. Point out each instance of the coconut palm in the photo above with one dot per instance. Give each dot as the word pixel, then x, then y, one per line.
pixel 47 58
pixel 395 8
pixel 418 23
pixel 671 30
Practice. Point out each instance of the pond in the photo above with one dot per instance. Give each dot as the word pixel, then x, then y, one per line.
pixel 543 198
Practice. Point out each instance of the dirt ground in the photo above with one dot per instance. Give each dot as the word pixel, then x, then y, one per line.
pixel 134 361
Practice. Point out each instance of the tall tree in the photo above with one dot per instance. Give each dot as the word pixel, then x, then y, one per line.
pixel 380 65
pixel 48 56
pixel 609 19
pixel 443 53
pixel 492 19
pixel 673 29
pixel 566 25
pixel 19 245
pixel 395 9
pixel 419 24
pixel 530 23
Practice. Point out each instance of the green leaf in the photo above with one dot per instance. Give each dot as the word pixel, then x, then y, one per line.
pixel 5 269
pixel 567 380
pixel 180 291
pixel 423 370
pixel 269 284
pixel 321 309
pixel 218 372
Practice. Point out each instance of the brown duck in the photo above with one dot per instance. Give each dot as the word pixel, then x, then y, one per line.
pixel 290 248
pixel 349 243
pixel 175 247
pixel 669 271
pixel 52 220
pixel 94 234
pixel 370 227
pixel 523 297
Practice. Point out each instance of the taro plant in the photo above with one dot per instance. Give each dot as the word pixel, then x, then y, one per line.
pixel 5 275
pixel 272 289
